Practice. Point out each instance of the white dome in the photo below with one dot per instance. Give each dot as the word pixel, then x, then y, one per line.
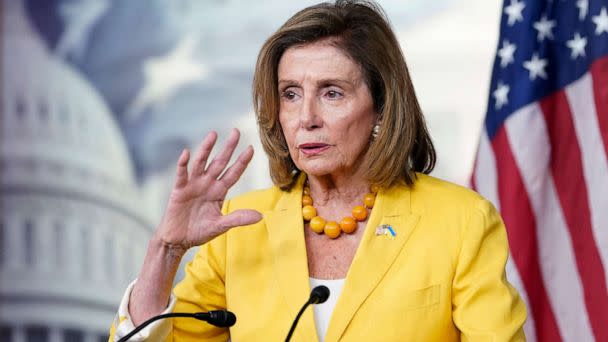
pixel 73 229
pixel 53 118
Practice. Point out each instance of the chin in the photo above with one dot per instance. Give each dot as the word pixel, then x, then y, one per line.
pixel 318 170
pixel 314 167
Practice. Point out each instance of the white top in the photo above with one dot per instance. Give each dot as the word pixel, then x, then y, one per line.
pixel 322 312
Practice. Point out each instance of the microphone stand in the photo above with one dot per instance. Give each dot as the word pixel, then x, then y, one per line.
pixel 318 295
pixel 227 320
pixel 295 323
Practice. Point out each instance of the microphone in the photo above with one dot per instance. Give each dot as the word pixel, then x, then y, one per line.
pixel 219 318
pixel 318 295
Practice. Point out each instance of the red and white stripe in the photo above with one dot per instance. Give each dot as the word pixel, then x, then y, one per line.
pixel 486 183
pixel 546 170
pixel 595 164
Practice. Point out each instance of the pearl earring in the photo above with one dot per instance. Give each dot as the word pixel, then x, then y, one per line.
pixel 375 131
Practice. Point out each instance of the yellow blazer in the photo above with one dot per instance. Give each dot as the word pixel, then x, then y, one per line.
pixel 441 278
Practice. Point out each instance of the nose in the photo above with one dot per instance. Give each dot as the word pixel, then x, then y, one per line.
pixel 310 116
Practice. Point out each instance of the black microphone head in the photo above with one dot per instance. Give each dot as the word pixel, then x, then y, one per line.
pixel 319 295
pixel 221 318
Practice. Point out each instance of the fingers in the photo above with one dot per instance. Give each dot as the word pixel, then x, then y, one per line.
pixel 219 163
pixel 240 217
pixel 221 160
pixel 182 169
pixel 234 172
pixel 200 161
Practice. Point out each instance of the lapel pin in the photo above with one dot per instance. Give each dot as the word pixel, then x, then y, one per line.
pixel 385 229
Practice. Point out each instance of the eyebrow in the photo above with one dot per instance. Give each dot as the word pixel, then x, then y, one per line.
pixel 321 82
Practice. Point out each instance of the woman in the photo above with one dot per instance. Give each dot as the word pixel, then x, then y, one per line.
pixel 409 257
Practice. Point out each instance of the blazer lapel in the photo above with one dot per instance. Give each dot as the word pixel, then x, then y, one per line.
pixel 374 256
pixel 288 247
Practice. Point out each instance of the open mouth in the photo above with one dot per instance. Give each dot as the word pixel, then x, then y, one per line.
pixel 310 149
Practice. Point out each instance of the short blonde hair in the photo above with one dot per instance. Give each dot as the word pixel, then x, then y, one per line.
pixel 359 28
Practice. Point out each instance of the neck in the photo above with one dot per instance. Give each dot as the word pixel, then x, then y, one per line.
pixel 345 189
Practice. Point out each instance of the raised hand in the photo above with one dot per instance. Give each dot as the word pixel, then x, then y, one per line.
pixel 193 215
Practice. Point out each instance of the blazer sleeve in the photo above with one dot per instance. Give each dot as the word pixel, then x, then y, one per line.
pixel 485 306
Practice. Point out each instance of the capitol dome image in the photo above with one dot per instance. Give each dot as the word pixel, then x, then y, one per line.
pixel 73 225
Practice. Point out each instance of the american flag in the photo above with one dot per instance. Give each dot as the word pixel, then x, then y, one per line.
pixel 542 161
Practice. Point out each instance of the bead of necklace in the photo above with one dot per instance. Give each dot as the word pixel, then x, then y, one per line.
pixel 334 229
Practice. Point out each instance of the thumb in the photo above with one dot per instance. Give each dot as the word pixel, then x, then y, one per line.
pixel 240 217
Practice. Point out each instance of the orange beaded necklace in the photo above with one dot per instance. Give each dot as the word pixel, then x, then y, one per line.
pixel 333 229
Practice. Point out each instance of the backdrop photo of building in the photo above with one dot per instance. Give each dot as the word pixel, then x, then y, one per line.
pixel 72 228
